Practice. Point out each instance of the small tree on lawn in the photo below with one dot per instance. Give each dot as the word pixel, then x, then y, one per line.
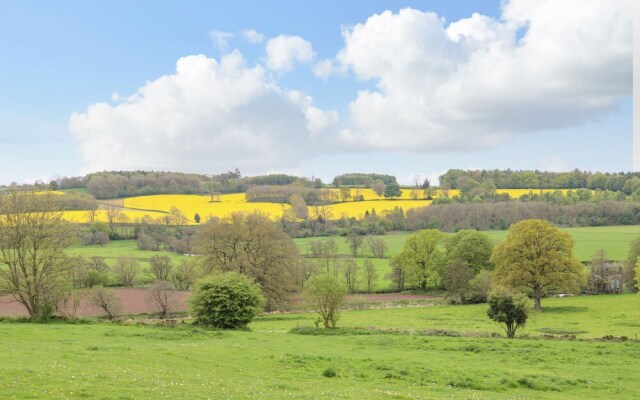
pixel 370 274
pixel 228 301
pixel 326 295
pixel 509 309
pixel 161 267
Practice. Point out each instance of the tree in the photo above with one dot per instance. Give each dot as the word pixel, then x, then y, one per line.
pixel 325 294
pixel 345 194
pixel 126 268
pixel 350 271
pixel 457 277
pixel 423 257
pixel 392 190
pixel 600 269
pixel 537 256
pixel 161 267
pixel 254 246
pixel 226 300
pixel 480 286
pixel 472 248
pixel 33 237
pixel 107 300
pixel 354 241
pixel 378 187
pixel 377 246
pixel 638 276
pixel 629 271
pixel 184 275
pixel 161 295
pixel 370 274
pixel 508 308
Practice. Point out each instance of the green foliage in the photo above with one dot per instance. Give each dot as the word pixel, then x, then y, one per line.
pixel 539 257
pixel 227 301
pixel 392 190
pixel 508 308
pixel 471 248
pixel 325 294
pixel 423 258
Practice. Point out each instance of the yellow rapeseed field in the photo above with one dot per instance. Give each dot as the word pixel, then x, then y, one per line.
pixel 132 216
pixel 157 206
pixel 189 205
pixel 358 209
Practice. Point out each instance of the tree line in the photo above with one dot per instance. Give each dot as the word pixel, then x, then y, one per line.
pixel 534 179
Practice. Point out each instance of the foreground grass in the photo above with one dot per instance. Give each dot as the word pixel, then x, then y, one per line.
pixel 104 361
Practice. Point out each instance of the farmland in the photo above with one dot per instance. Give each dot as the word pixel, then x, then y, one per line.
pixel 158 206
pixel 116 361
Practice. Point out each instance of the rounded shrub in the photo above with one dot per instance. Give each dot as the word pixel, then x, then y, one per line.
pixel 228 301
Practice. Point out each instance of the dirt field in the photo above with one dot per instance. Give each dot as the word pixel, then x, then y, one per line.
pixel 134 301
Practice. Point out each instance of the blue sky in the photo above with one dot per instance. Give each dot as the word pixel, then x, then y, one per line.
pixel 405 92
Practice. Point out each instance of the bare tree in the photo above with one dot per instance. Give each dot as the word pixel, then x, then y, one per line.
pixel 354 241
pixel 377 246
pixel 370 274
pixel 33 237
pixel 350 272
pixel 161 295
pixel 107 300
pixel 127 268
pixel 378 187
pixel 161 267
pixel 184 275
pixel 70 304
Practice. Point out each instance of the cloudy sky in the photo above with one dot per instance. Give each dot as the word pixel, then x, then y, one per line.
pixel 314 88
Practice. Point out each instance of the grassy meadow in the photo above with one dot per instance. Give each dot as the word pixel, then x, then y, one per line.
pixel 110 361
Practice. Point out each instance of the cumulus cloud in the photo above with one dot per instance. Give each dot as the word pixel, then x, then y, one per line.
pixel 324 69
pixel 251 36
pixel 475 82
pixel 284 51
pixel 207 116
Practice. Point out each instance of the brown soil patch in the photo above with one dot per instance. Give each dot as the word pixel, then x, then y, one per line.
pixel 134 301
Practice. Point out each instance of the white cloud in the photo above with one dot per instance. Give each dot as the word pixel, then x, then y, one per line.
pixel 251 36
pixel 207 116
pixel 283 51
pixel 545 64
pixel 221 40
pixel 323 69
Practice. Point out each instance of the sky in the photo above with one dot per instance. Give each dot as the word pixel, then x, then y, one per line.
pixel 314 88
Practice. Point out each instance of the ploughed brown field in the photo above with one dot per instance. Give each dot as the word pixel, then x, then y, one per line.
pixel 135 301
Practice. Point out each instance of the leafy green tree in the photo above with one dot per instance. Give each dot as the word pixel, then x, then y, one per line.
pixel 457 277
pixel 423 257
pixel 34 268
pixel 537 256
pixel 472 248
pixel 226 300
pixel 325 294
pixel 509 309
pixel 392 190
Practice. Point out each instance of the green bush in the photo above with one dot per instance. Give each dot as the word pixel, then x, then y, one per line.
pixel 509 308
pixel 228 301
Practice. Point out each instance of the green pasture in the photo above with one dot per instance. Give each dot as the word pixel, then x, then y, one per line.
pixel 110 361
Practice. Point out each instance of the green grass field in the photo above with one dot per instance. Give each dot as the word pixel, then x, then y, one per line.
pixel 104 361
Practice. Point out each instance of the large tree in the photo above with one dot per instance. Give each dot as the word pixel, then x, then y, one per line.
pixel 254 246
pixel 471 248
pixel 423 258
pixel 33 236
pixel 537 256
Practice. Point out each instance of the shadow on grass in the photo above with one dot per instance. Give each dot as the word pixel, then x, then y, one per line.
pixel 563 309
